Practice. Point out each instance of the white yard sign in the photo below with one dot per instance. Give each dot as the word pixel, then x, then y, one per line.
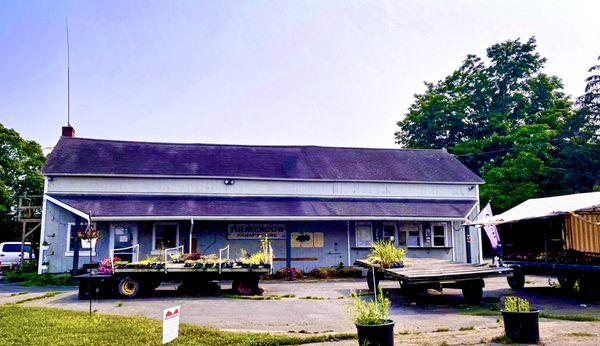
pixel 171 323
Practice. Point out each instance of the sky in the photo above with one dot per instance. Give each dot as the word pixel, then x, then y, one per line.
pixel 336 73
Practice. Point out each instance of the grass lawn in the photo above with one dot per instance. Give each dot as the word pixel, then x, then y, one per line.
pixel 48 326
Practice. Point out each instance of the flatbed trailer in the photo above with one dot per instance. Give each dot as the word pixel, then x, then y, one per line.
pixel 422 274
pixel 588 275
pixel 133 282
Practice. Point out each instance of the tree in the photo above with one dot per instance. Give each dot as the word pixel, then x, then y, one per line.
pixel 20 173
pixel 506 120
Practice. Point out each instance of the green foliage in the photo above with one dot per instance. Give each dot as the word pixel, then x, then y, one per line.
pixel 510 123
pixel 20 173
pixel 385 254
pixel 34 279
pixel 369 313
pixel 337 272
pixel 516 304
pixel 45 326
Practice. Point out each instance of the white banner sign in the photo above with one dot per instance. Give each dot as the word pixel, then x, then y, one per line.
pixel 255 231
pixel 171 323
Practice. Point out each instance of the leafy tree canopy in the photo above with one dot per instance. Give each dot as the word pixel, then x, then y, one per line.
pixel 509 122
pixel 20 173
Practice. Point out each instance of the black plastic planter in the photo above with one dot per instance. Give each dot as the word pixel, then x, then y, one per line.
pixel 522 327
pixel 376 335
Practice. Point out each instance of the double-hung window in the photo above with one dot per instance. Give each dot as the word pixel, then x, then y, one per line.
pixel 72 230
pixel 364 234
pixel 439 234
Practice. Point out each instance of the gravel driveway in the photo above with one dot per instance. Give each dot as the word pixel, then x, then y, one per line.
pixel 432 318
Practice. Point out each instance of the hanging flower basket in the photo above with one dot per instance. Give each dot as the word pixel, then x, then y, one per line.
pixel 88 237
pixel 88 243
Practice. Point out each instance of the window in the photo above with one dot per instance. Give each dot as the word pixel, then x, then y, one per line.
pixel 439 235
pixel 72 238
pixel 413 238
pixel 364 234
pixel 410 234
pixel 15 248
pixel 165 235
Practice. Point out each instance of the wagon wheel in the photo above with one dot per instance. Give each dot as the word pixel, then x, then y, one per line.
pixel 129 287
pixel 370 283
pixel 246 287
pixel 567 282
pixel 517 280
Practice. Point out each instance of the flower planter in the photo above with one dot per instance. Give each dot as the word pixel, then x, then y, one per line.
pixel 88 243
pixel 522 327
pixel 380 334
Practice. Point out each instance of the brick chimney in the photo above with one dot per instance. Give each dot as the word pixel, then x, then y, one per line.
pixel 68 131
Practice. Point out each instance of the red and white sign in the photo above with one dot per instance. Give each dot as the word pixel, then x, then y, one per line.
pixel 171 323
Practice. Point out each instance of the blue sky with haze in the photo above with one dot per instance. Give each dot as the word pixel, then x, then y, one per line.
pixel 251 72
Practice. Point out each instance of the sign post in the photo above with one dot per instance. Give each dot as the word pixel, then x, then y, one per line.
pixel 171 323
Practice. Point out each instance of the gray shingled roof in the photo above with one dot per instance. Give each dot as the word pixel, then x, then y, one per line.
pixel 109 157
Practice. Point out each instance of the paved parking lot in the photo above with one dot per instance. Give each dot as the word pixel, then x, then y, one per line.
pixel 433 318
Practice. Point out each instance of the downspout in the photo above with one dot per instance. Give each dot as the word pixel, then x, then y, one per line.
pixel 191 232
pixel 42 228
pixel 348 237
pixel 453 244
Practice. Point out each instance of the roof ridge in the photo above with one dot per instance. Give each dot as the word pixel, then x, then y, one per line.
pixel 249 145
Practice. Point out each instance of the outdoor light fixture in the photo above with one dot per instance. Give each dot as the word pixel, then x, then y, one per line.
pixel 228 181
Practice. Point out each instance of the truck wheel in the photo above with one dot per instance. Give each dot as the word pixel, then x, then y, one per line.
pixel 473 292
pixel 129 287
pixel 517 280
pixel 246 287
pixel 370 283
pixel 567 282
pixel 589 287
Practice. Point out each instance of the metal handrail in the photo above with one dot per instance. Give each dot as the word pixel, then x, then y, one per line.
pixel 180 248
pixel 134 256
pixel 226 248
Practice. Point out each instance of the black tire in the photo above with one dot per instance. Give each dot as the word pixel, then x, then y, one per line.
pixel 370 283
pixel 245 287
pixel 567 282
pixel 517 280
pixel 129 287
pixel 589 287
pixel 473 292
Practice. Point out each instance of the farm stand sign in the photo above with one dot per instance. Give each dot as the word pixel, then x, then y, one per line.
pixel 171 323
pixel 255 231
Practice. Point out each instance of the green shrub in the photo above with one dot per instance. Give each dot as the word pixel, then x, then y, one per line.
pixel 369 313
pixel 385 254
pixel 34 279
pixel 337 272
pixel 516 304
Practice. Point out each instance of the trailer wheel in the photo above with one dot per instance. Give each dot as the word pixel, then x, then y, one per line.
pixel 589 287
pixel 129 287
pixel 370 283
pixel 517 280
pixel 246 287
pixel 567 282
pixel 473 292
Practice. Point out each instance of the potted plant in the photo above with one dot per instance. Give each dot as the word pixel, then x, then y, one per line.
pixel 386 255
pixel 372 320
pixel 88 237
pixel 520 321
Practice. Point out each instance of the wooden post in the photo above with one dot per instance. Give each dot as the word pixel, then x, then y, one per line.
pixel 76 247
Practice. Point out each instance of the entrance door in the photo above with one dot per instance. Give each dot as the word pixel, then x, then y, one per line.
pixel 124 235
pixel 390 232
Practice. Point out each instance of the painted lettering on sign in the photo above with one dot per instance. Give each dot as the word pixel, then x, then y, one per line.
pixel 255 231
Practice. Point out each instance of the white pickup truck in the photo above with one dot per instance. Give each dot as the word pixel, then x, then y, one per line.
pixel 10 253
